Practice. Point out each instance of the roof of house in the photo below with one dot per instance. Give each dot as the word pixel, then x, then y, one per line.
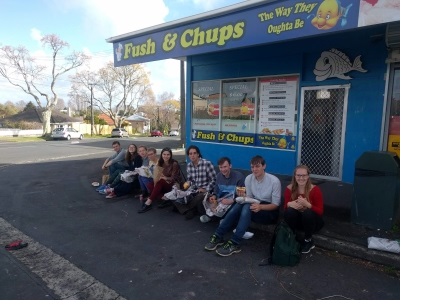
pixel 137 118
pixel 107 119
pixel 35 115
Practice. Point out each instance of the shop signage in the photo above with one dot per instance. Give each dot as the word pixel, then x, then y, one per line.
pixel 267 23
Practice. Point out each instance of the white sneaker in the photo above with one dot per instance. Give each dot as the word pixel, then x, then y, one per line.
pixel 241 200
pixel 205 219
pixel 247 235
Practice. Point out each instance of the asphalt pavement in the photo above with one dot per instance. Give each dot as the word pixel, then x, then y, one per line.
pixel 84 246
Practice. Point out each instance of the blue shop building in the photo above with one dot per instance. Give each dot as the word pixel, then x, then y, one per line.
pixel 298 82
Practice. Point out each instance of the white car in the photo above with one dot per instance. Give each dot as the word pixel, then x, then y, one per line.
pixel 119 132
pixel 174 133
pixel 66 133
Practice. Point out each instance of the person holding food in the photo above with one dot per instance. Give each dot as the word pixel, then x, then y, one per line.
pixel 303 206
pixel 226 183
pixel 260 205
pixel 201 175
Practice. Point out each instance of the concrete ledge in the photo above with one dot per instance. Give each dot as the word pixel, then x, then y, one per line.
pixel 345 247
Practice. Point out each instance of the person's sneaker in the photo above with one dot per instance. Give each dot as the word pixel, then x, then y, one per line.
pixel 205 219
pixel 145 208
pixel 106 191
pixel 214 243
pixel 247 235
pixel 307 246
pixel 111 195
pixel 228 249
pixel 102 187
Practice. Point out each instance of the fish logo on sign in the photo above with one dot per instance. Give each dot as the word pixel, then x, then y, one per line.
pixel 118 52
pixel 335 64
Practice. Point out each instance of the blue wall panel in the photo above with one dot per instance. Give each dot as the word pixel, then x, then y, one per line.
pixel 366 94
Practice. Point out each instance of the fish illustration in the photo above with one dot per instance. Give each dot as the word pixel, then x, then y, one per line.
pixel 334 63
pixel 328 14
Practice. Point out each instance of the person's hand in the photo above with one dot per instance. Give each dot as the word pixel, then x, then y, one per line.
pixel 202 190
pixel 227 202
pixel 255 207
pixel 302 202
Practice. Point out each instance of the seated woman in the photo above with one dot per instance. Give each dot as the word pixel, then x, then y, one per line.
pixel 169 174
pixel 147 182
pixel 303 206
pixel 122 188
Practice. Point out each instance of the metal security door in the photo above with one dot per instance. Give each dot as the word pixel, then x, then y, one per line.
pixel 322 130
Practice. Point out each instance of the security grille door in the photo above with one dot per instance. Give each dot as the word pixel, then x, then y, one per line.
pixel 322 130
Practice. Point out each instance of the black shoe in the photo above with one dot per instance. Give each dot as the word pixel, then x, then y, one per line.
pixel 307 246
pixel 165 203
pixel 144 209
pixel 189 214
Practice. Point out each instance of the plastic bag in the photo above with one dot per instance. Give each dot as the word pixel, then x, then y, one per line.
pixel 128 176
pixel 218 208
pixel 383 244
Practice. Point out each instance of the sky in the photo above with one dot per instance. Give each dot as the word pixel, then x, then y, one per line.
pixel 85 25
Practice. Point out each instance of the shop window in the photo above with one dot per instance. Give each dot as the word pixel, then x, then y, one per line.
pixel 260 112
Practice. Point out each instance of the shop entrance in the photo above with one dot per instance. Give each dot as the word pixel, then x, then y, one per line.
pixel 322 130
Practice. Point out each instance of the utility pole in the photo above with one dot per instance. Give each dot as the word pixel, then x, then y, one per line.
pixel 92 113
pixel 158 118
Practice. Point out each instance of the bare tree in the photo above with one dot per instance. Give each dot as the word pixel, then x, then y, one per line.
pixel 18 64
pixel 117 91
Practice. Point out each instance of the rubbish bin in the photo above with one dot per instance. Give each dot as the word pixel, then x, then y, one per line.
pixel 376 190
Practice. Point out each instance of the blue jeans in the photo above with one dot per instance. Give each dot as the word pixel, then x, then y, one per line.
pixel 240 216
pixel 146 185
pixel 115 167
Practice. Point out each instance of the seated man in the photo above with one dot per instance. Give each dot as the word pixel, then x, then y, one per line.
pixel 224 191
pixel 261 205
pixel 201 175
pixel 116 161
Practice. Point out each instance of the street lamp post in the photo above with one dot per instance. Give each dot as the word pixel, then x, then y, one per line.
pixel 92 113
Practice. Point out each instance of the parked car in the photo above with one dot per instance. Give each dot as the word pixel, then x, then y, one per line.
pixel 119 133
pixel 66 133
pixel 156 133
pixel 174 133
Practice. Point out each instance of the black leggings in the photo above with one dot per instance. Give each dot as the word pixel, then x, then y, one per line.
pixel 308 221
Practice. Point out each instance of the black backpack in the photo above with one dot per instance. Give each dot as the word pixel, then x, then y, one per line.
pixel 284 249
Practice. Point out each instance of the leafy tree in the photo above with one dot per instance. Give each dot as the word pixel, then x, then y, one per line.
pixel 29 106
pixel 8 109
pixel 18 64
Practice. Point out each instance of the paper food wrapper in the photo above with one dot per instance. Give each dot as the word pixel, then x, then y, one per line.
pixel 382 244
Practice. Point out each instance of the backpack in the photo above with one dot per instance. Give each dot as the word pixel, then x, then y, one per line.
pixel 284 249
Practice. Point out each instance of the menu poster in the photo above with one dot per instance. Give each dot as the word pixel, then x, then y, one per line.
pixel 278 98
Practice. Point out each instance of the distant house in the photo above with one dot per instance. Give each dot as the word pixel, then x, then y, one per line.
pixel 139 123
pixel 34 117
pixel 107 119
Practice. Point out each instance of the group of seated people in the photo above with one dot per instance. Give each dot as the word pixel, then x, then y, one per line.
pixel 227 197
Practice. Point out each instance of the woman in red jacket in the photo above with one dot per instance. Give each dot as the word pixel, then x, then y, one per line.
pixel 303 206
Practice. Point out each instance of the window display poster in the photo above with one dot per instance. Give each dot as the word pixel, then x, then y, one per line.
pixel 238 106
pixel 206 102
